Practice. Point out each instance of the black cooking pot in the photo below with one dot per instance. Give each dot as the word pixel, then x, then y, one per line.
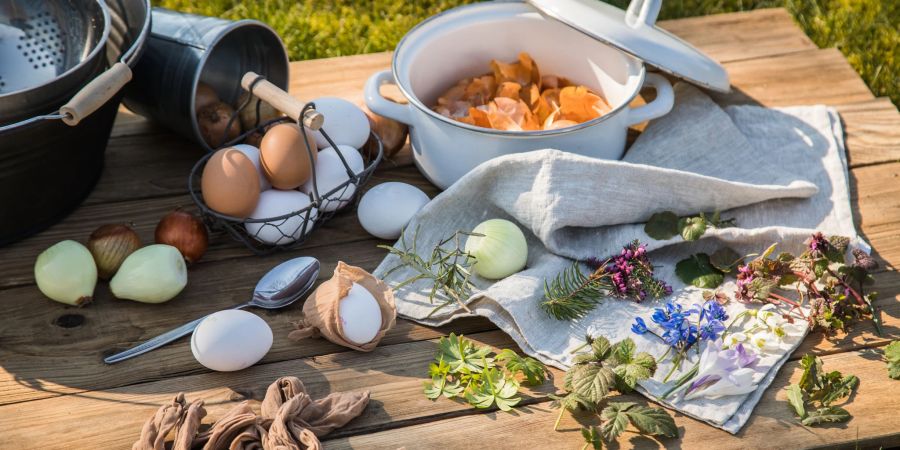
pixel 50 163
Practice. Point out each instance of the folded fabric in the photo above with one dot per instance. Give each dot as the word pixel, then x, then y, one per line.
pixel 780 173
pixel 289 420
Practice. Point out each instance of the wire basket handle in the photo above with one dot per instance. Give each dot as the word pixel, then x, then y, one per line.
pixel 282 101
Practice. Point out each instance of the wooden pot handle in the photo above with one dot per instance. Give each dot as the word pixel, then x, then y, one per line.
pixel 96 93
pixel 282 101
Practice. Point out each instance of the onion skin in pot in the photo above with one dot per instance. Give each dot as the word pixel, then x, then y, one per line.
pixel 213 121
pixel 110 245
pixel 184 231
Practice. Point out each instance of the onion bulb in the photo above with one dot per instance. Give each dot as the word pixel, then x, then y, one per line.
pixel 66 273
pixel 184 231
pixel 248 115
pixel 213 123
pixel 153 274
pixel 500 252
pixel 110 245
pixel 205 97
pixel 391 132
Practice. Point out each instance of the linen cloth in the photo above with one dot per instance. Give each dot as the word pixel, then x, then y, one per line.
pixel 781 173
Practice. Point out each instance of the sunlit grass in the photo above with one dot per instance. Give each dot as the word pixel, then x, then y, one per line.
pixel 867 32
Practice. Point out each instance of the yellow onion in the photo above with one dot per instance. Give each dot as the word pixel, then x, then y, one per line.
pixel 213 122
pixel 153 274
pixel 66 273
pixel 184 231
pixel 248 115
pixel 501 250
pixel 110 245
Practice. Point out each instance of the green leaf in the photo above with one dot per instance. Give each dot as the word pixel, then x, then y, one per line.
pixel 795 399
pixel 439 386
pixel 601 348
pixel 697 270
pixel 662 225
pixel 641 367
pixel 725 259
pixel 614 419
pixel 692 227
pixel 892 354
pixel 592 437
pixel 534 371
pixel 622 352
pixel 830 414
pixel 838 388
pixel 590 381
pixel 812 367
pixel 495 389
pixel 652 421
pixel 461 354
pixel 768 251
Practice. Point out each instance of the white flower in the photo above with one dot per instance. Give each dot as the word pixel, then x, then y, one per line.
pixel 734 339
pixel 724 372
pixel 765 341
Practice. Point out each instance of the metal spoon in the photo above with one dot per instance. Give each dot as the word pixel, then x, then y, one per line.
pixel 281 286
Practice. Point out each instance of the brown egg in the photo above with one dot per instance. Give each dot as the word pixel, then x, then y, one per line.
pixel 284 157
pixel 230 183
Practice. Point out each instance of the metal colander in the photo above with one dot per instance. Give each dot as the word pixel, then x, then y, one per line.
pixel 48 49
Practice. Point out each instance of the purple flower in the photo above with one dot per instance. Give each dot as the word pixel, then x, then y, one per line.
pixel 710 330
pixel 639 326
pixel 724 372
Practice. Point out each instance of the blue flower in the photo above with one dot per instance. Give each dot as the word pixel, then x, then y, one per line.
pixel 712 310
pixel 711 330
pixel 639 326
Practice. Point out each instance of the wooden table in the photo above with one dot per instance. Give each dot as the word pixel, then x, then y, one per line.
pixel 55 391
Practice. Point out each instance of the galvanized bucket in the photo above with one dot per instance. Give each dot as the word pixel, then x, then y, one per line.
pixel 185 50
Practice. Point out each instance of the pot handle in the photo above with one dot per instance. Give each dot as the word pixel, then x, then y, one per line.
pixel 660 106
pixel 382 106
pixel 95 94
pixel 282 101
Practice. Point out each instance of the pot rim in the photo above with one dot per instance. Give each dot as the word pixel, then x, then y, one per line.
pixel 244 23
pixel 100 47
pixel 414 100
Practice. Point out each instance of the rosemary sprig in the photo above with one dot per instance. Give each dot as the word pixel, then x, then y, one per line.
pixel 447 268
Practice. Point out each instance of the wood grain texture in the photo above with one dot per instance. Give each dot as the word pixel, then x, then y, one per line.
pixel 53 383
pixel 772 425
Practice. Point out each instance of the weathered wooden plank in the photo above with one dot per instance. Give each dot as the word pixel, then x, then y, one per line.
pixel 773 426
pixel 49 349
pixel 804 78
pixel 394 375
pixel 742 35
pixel 873 131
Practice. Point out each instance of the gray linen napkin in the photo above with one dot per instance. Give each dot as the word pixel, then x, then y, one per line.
pixel 781 173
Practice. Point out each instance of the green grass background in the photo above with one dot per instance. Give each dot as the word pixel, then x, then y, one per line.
pixel 867 32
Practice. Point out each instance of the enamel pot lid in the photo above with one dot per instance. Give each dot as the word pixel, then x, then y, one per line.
pixel 635 32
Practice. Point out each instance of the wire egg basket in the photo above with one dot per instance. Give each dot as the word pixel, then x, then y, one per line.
pixel 271 234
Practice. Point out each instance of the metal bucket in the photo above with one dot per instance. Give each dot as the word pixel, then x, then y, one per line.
pixel 185 50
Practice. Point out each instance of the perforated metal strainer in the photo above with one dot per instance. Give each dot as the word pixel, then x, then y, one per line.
pixel 48 49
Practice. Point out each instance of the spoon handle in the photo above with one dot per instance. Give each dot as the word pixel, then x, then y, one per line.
pixel 160 340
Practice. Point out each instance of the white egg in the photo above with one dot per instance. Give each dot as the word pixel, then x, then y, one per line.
pixel 386 209
pixel 231 340
pixel 274 203
pixel 360 315
pixel 331 173
pixel 253 153
pixel 345 123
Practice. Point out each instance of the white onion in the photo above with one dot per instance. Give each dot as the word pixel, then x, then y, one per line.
pixel 501 252
pixel 66 272
pixel 153 274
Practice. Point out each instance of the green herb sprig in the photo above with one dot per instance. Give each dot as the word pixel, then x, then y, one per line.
pixel 595 373
pixel 820 390
pixel 448 268
pixel 666 225
pixel 481 377
pixel 892 355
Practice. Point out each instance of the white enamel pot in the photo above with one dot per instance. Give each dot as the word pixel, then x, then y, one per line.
pixel 461 42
